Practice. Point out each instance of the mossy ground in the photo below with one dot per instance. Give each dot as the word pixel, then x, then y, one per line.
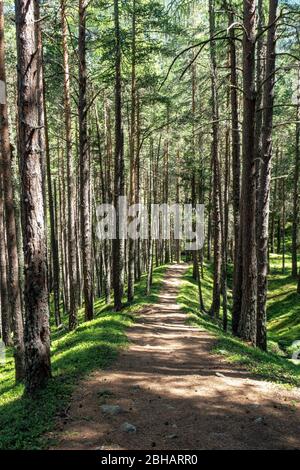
pixel 93 345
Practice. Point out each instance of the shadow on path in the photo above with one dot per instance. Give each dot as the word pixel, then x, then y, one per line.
pixel 177 394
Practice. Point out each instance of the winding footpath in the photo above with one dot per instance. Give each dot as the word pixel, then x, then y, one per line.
pixel 168 391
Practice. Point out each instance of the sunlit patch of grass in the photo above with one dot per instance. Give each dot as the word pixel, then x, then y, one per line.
pixel 269 366
pixel 283 304
pixel 93 345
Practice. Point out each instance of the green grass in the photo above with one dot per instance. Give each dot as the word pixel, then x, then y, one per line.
pixel 269 366
pixel 93 345
pixel 283 304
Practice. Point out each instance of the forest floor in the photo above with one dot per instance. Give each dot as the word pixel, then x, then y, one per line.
pixel 167 390
pixel 94 345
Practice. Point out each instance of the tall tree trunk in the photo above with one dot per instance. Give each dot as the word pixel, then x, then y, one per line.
pixel 151 241
pixel 36 334
pixel 132 188
pixel 177 242
pixel 11 229
pixel 215 308
pixel 296 186
pixel 247 326
pixel 283 221
pixel 236 176
pixel 138 269
pixel 274 204
pixel 193 152
pixel 265 181
pixel 118 242
pixel 53 225
pixel 209 215
pixel 224 206
pixel 5 314
pixel 71 252
pixel 85 172
pixel 108 197
pixel 260 74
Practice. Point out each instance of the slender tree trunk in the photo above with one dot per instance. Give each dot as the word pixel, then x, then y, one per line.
pixel 215 308
pixel 177 242
pixel 236 171
pixel 265 181
pixel 194 76
pixel 37 333
pixel 11 230
pixel 274 204
pixel 54 240
pixel 108 197
pixel 138 270
pixel 224 206
pixel 296 186
pixel 118 242
pixel 71 251
pixel 260 74
pixel 283 221
pixel 85 172
pixel 132 188
pixel 53 227
pixel 151 242
pixel 5 314
pixel 247 326
pixel 209 221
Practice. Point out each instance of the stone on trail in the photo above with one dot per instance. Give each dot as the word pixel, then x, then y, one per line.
pixel 105 393
pixel 127 427
pixel 136 388
pixel 218 374
pixel 111 409
pixel 259 420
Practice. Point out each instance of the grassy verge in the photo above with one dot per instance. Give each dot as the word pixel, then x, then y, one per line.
pixel 269 366
pixel 283 304
pixel 93 345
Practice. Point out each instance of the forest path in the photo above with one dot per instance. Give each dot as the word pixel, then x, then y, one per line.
pixel 177 394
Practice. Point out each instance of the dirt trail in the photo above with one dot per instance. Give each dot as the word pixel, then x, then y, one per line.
pixel 167 387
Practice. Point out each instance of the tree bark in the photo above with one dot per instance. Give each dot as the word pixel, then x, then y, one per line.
pixel 296 186
pixel 247 326
pixel 265 181
pixel 36 334
pixel 260 75
pixel 215 308
pixel 118 242
pixel 236 176
pixel 11 229
pixel 53 228
pixel 85 172
pixel 71 244
pixel 132 188
pixel 5 314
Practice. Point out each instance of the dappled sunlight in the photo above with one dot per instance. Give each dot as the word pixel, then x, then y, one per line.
pixel 92 346
pixel 177 393
pixel 265 365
